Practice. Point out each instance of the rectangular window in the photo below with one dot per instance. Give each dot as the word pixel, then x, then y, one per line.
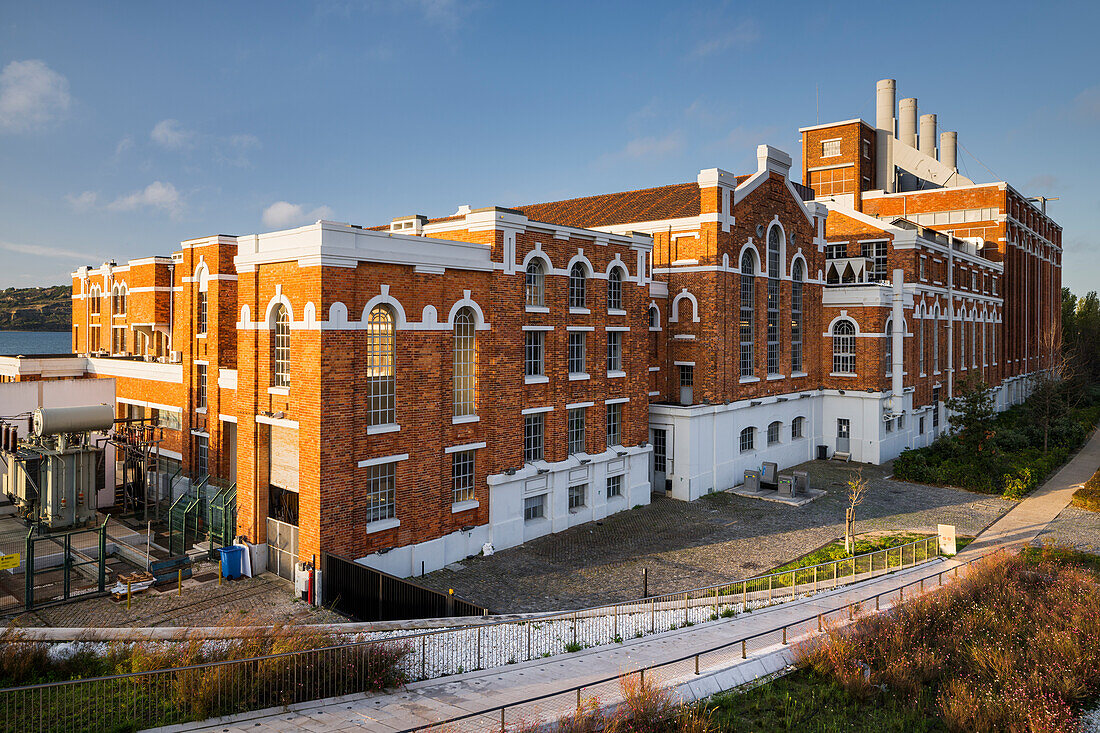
pixel 576 496
pixel 575 431
pixel 830 148
pixel 532 437
pixel 687 375
pixel 533 353
pixel 202 312
pixel 796 323
pixel 462 475
pixel 935 408
pixel 614 424
pixel 837 251
pixel 381 494
pixel 534 507
pixel 614 486
pixel 200 388
pixel 867 149
pixel 889 426
pixel 901 422
pixel 614 351
pixel 877 253
pixel 796 428
pixel 660 457
pixel 202 454
pixel 168 419
pixel 577 343
pixel 748 439
pixel 923 263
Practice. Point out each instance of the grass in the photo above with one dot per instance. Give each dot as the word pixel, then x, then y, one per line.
pixel 1063 556
pixel 1088 496
pixel 1013 646
pixel 835 550
pixel 809 701
pixel 183 695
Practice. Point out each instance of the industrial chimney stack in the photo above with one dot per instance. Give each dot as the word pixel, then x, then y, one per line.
pixel 884 136
pixel 907 121
pixel 948 149
pixel 928 135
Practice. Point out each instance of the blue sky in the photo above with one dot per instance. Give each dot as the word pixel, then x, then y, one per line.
pixel 126 128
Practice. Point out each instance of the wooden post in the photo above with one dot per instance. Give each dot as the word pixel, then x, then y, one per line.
pixel 743 654
pixel 128 595
pixel 179 580
pixel 696 664
pixel 819 622
pixel 219 568
pixel 784 635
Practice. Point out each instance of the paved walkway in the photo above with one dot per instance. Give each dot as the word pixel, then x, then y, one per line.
pixel 424 703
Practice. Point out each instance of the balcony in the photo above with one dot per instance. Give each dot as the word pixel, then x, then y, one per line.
pixel 849 271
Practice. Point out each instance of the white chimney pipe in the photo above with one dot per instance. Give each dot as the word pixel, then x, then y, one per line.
pixel 884 135
pixel 897 386
pixel 949 154
pixel 928 135
pixel 907 121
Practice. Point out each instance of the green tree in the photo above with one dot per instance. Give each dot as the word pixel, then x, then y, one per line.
pixel 972 413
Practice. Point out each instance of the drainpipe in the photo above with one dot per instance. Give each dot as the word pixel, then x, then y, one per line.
pixel 950 319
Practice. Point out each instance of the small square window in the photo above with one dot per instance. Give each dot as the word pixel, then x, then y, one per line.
pixel 830 148
pixel 576 496
pixel 534 507
pixel 614 486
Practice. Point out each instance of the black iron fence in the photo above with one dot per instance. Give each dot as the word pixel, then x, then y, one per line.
pixel 371 595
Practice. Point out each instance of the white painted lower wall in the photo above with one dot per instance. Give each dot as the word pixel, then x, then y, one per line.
pixel 703 452
pixel 507 526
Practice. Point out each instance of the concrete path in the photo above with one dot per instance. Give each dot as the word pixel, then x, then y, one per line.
pixel 424 703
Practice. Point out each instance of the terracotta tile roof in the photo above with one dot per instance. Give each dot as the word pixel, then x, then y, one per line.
pixel 649 204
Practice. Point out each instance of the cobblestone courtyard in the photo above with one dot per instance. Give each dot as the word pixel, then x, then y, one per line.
pixel 717 538
pixel 1074 527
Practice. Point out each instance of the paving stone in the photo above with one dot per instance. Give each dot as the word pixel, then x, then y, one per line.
pixel 718 538
pixel 1073 527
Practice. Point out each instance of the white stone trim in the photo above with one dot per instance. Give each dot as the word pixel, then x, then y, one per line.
pixel 380 460
pixel 617 401
pixel 464 447
pixel 277 421
pixel 536 410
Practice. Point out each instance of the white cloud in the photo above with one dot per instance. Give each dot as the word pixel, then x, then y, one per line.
pixel 38 250
pixel 156 195
pixel 233 150
pixel 172 135
pixel 283 215
pixel 31 95
pixel 124 145
pixel 84 201
pixel 743 34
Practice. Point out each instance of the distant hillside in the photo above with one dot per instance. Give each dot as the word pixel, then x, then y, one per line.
pixel 36 309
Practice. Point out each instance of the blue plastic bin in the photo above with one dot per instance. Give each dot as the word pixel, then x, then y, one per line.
pixel 232 561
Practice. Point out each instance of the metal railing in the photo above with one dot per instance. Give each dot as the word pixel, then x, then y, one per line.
pixel 555 705
pixel 181 694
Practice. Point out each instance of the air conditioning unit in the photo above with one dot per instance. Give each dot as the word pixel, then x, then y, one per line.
pixel 150 357
pixel 175 357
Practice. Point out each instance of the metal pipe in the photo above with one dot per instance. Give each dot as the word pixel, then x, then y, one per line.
pixel 897 367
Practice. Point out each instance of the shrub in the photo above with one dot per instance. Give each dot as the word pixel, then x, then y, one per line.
pixel 1088 496
pixel 1008 647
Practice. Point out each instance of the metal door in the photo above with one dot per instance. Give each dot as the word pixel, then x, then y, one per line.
pixel 843 435
pixel 658 464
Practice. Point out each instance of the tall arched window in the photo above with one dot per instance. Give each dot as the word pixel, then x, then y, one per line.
pixel 95 294
pixel 774 236
pixel 615 289
pixel 920 341
pixel 654 317
pixel 844 347
pixel 748 312
pixel 465 363
pixel 747 440
pixel 121 299
pixel 578 295
pixel 888 352
pixel 381 359
pixel 536 292
pixel 936 340
pixel 280 348
pixel 773 432
pixel 796 316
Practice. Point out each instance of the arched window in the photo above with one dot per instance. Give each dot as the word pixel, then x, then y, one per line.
pixel 654 317
pixel 578 295
pixel 465 363
pixel 95 294
pixel 280 347
pixel 748 439
pixel 773 432
pixel 888 352
pixel 748 313
pixel 797 427
pixel 615 289
pixel 920 342
pixel 844 347
pixel 381 359
pixel 536 292
pixel 796 316
pixel 774 236
pixel 936 340
pixel 121 300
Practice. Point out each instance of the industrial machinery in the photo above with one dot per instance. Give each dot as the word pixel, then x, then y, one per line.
pixel 52 474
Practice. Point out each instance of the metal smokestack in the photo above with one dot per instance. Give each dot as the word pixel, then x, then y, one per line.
pixel 885 92
pixel 928 135
pixel 907 121
pixel 949 154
